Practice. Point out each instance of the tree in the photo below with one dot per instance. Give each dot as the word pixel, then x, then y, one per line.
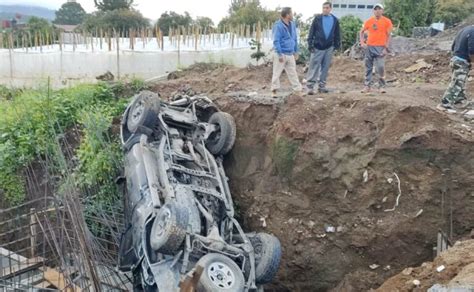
pixel 119 19
pixel 108 5
pixel 350 27
pixel 70 13
pixel 248 12
pixel 409 14
pixel 204 22
pixel 172 19
pixel 38 24
pixel 453 11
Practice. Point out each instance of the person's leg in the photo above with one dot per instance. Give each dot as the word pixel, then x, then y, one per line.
pixel 314 68
pixel 380 69
pixel 278 68
pixel 325 65
pixel 369 66
pixel 290 68
pixel 454 92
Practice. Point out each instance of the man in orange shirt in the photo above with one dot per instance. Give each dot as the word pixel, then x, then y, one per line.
pixel 378 28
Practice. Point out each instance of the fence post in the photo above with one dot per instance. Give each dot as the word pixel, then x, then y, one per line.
pixel 10 50
pixel 118 54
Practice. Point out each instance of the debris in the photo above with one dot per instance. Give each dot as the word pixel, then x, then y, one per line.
pixel 407 271
pixel 264 222
pixel 416 282
pixel 384 199
pixel 252 94
pixel 374 266
pixel 440 268
pixel 330 229
pixel 107 76
pixel 387 268
pixel 340 229
pixel 419 213
pixel 420 64
pixel 398 197
pixel 366 176
pixel 311 224
pixel 323 235
pixel 345 194
pixel 390 180
pixel 469 114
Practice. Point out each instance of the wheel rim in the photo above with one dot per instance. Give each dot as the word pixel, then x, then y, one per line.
pixel 221 275
pixel 162 222
pixel 138 111
pixel 215 136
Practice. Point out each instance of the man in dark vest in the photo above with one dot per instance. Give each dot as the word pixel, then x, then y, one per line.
pixel 463 56
pixel 324 37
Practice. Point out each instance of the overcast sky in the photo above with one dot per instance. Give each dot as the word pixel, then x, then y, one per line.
pixel 215 9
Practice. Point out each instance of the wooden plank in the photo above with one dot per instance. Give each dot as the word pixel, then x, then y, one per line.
pixel 44 284
pixel 189 283
pixel 57 279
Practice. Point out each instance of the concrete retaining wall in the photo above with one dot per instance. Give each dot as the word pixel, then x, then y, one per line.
pixel 68 68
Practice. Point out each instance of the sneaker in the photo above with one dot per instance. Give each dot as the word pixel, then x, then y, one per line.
pixel 445 107
pixel 274 93
pixel 366 89
pixel 323 90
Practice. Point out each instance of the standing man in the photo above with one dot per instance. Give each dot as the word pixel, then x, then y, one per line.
pixel 463 56
pixel 324 37
pixel 285 43
pixel 379 29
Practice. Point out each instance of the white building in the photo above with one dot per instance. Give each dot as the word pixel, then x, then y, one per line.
pixel 360 8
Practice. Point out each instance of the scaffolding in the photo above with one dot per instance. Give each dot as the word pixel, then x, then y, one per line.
pixel 50 244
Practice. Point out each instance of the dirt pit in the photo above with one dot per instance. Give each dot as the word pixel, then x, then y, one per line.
pixel 323 172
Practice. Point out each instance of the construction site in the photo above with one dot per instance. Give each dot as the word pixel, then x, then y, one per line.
pixel 365 192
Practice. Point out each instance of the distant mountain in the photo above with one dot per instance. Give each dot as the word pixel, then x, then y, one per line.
pixel 9 11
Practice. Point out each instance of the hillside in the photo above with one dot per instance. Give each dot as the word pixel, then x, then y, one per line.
pixel 7 12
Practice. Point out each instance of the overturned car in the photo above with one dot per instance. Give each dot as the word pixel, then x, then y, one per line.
pixel 178 207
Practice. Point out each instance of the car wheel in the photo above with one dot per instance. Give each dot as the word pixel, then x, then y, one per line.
pixel 267 250
pixel 220 273
pixel 169 228
pixel 143 111
pixel 221 141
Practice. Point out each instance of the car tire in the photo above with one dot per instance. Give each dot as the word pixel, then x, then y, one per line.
pixel 267 250
pixel 169 228
pixel 221 141
pixel 143 111
pixel 220 273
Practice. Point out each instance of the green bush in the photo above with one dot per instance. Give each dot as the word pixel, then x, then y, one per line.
pixel 350 27
pixel 32 123
pixel 284 153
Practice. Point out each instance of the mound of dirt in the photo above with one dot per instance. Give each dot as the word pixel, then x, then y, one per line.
pixel 453 268
pixel 324 172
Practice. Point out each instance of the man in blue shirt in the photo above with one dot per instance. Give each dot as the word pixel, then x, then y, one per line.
pixel 324 37
pixel 285 44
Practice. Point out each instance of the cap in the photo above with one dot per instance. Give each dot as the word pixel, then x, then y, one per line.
pixel 378 5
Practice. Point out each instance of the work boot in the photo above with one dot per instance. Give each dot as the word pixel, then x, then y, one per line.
pixel 446 107
pixel 274 93
pixel 366 89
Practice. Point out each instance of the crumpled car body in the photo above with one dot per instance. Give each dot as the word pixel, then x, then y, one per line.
pixel 178 206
